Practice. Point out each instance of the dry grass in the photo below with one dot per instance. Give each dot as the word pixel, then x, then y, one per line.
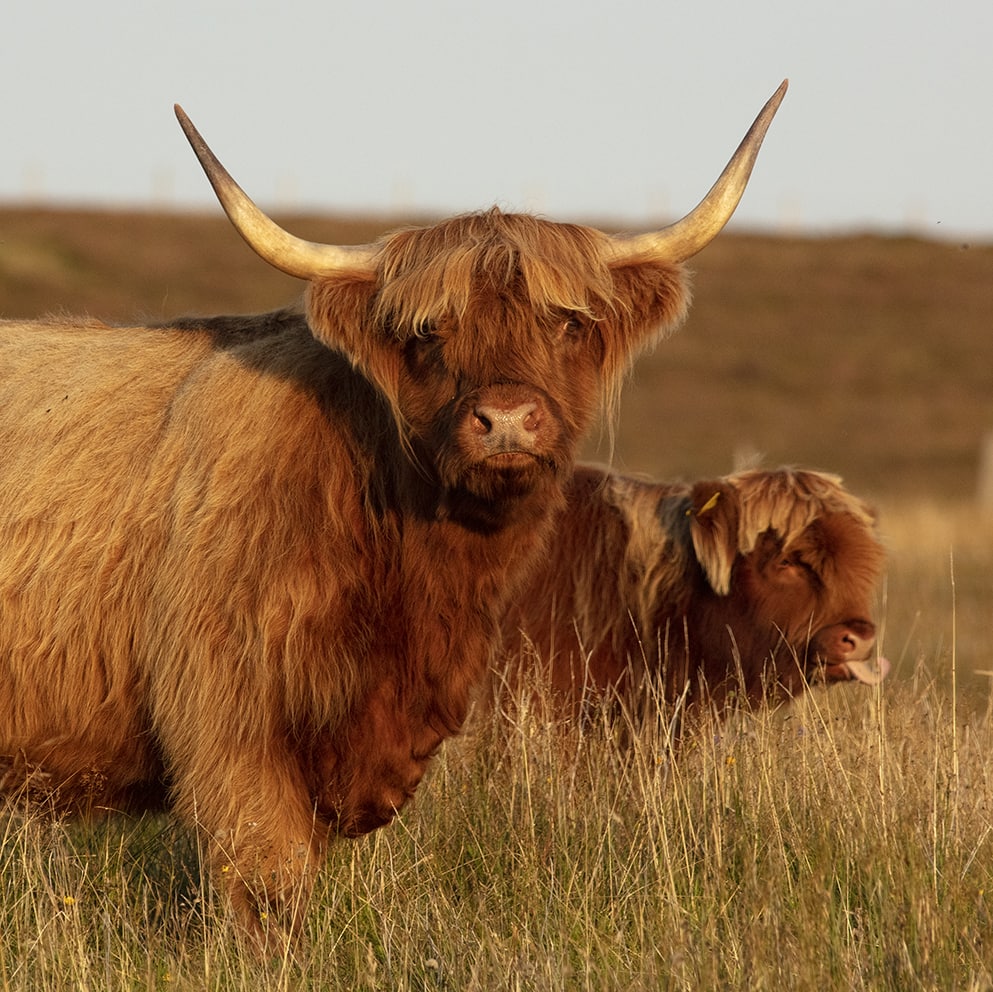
pixel 938 604
pixel 843 843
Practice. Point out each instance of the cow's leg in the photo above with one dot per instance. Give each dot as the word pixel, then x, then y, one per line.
pixel 263 841
pixel 268 875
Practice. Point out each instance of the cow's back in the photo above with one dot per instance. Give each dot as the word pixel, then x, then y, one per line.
pixel 603 608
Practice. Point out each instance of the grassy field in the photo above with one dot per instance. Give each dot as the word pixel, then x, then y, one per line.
pixel 841 843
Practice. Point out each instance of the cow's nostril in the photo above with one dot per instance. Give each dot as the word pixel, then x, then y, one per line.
pixel 523 417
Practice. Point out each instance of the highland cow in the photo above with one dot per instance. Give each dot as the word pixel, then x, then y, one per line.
pixel 742 589
pixel 252 568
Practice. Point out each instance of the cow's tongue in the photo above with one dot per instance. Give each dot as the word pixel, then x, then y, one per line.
pixel 872 673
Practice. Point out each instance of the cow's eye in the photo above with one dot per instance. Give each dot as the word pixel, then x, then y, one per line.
pixel 795 568
pixel 423 352
pixel 572 327
pixel 426 330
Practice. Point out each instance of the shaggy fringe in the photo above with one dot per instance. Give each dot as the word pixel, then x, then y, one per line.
pixel 430 276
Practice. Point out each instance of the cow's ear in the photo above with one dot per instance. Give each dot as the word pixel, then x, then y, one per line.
pixel 713 515
pixel 650 301
pixel 339 312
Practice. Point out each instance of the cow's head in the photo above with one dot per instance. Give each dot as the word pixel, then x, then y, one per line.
pixel 795 562
pixel 494 336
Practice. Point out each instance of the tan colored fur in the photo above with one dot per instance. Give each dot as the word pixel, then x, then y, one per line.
pixel 252 568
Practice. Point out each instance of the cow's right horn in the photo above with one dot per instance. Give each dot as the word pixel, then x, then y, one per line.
pixel 698 228
pixel 289 254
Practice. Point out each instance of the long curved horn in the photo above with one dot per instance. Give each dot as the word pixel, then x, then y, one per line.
pixel 289 254
pixel 698 228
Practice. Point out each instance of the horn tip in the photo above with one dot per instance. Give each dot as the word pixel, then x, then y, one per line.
pixel 184 122
pixel 192 135
pixel 777 98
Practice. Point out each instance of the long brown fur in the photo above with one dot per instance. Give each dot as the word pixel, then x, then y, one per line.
pixel 746 587
pixel 252 568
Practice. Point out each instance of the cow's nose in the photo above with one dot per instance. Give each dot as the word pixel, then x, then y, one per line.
pixel 857 638
pixel 518 420
pixel 854 646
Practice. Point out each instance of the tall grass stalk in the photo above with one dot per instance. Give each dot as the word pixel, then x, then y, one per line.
pixel 955 671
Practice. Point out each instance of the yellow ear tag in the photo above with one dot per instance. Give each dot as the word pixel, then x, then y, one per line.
pixel 709 505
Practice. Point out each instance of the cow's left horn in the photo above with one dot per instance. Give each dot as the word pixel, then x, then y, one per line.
pixel 289 254
pixel 697 229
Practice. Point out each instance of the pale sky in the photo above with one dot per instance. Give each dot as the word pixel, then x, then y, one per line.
pixel 623 111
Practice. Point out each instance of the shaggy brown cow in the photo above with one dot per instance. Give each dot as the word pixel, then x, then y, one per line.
pixel 755 584
pixel 251 568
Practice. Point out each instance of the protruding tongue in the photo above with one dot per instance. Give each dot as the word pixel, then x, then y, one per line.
pixel 871 673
